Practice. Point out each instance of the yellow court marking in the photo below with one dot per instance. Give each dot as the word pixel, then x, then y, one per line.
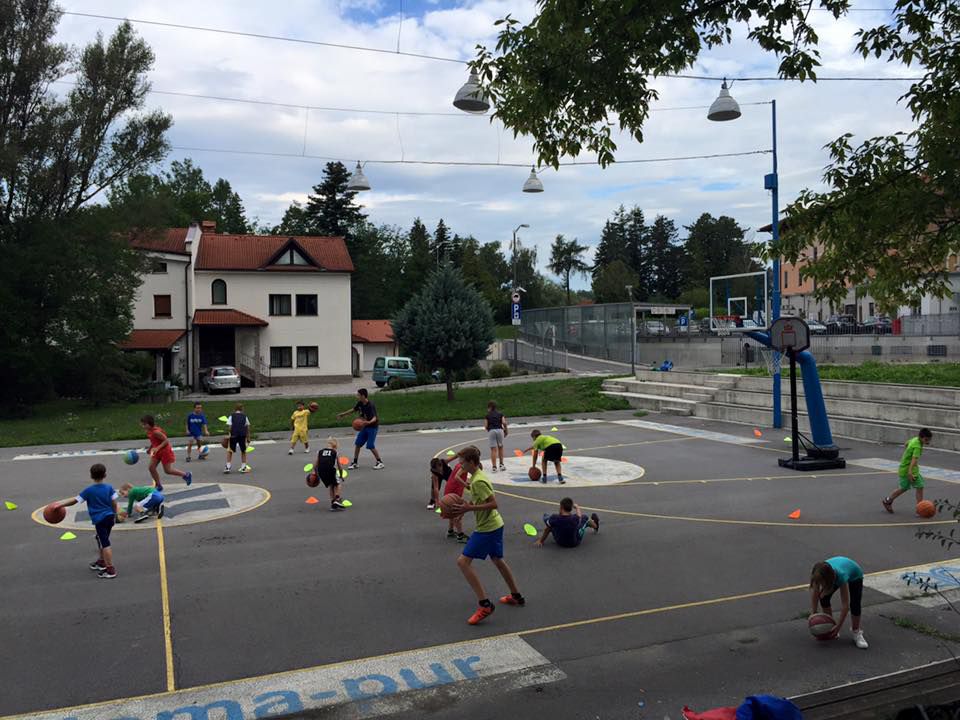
pixel 629 444
pixel 165 602
pixel 722 521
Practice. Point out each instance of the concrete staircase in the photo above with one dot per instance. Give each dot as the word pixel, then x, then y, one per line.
pixel 876 412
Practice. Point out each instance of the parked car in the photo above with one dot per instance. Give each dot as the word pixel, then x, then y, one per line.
pixel 221 378
pixel 816 327
pixel 388 368
pixel 878 325
pixel 652 327
pixel 841 324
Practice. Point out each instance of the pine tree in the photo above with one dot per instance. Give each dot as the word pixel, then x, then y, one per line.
pixel 227 210
pixel 613 242
pixel 420 261
pixel 665 260
pixel 331 209
pixel 440 245
pixel 294 221
pixel 636 234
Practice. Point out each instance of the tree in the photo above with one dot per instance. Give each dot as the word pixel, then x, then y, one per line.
pixel 376 288
pixel 447 325
pixel 666 259
pixel 565 259
pixel 227 209
pixel 440 246
pixel 190 190
pixel 610 284
pixel 716 246
pixel 331 209
pixel 294 221
pixel 613 242
pixel 68 277
pixel 420 259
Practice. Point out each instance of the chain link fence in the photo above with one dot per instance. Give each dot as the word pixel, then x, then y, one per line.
pixel 600 331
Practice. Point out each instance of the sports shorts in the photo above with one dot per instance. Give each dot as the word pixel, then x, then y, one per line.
pixel 553 453
pixel 328 477
pixel 906 483
pixel 300 435
pixel 496 438
pixel 369 436
pixel 238 442
pixel 103 529
pixel 483 544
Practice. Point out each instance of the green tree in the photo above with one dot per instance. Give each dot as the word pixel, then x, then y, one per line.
pixel 716 246
pixel 447 325
pixel 666 259
pixel 613 242
pixel 420 259
pixel 486 268
pixel 227 209
pixel 566 259
pixel 376 288
pixel 440 245
pixel 331 209
pixel 68 278
pixel 190 191
pixel 294 221
pixel 610 284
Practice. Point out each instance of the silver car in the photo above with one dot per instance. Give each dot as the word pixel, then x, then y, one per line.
pixel 221 378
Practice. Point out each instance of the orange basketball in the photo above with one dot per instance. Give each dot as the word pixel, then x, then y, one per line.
pixel 926 509
pixel 447 502
pixel 225 442
pixel 358 424
pixel 53 513
pixel 313 407
pixel 534 473
pixel 312 479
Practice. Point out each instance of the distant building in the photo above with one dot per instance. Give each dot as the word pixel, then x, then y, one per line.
pixel 371 339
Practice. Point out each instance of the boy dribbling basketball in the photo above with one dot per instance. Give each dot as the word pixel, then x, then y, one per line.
pixel 101 500
pixel 330 473
pixel 487 538
pixel 910 476
pixel 161 453
pixel 552 450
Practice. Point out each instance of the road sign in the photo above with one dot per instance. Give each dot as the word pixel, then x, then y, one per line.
pixel 683 321
pixel 515 311
pixel 515 297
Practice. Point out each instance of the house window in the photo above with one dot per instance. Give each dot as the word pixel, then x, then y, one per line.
pixel 307 357
pixel 281 357
pixel 870 313
pixel 218 292
pixel 786 279
pixel 291 257
pixel 280 305
pixel 158 267
pixel 161 306
pixel 306 304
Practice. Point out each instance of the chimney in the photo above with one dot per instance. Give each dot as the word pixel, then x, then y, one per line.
pixel 208 226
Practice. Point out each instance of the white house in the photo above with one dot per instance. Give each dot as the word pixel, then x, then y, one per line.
pixel 372 339
pixel 277 308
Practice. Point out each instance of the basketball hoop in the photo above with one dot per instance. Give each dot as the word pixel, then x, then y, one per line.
pixel 771 359
pixel 723 325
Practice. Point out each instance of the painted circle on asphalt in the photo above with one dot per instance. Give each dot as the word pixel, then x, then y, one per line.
pixel 201 502
pixel 578 471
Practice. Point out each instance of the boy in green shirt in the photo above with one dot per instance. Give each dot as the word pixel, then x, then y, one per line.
pixel 552 450
pixel 487 538
pixel 910 476
pixel 145 498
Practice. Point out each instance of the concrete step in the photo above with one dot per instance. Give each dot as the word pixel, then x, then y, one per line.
pixel 657 388
pixel 910 394
pixel 656 403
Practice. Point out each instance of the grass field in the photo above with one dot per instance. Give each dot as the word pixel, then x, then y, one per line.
pixel 73 422
pixel 932 374
pixel 506 332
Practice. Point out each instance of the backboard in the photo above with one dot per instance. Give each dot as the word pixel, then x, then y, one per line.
pixel 741 302
pixel 789 333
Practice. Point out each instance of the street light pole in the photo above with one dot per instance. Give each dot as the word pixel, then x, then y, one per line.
pixel 516 289
pixel 633 333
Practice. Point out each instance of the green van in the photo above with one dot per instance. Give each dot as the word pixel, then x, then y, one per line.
pixel 386 369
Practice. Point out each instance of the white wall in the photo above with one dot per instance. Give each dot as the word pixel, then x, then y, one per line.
pixel 169 283
pixel 371 351
pixel 329 330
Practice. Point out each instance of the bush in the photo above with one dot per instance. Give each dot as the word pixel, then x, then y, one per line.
pixel 476 373
pixel 500 370
pixel 401 384
pixel 425 378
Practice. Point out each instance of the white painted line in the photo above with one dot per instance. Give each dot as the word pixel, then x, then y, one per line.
pixel 545 423
pixel 113 451
pixel 578 471
pixel 945 575
pixel 930 473
pixel 374 686
pixel 690 432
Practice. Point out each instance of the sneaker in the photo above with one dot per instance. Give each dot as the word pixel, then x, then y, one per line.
pixel 202 457
pixel 290 451
pixel 493 469
pixel 338 503
pixel 462 537
pixel 596 521
pixel 188 478
pixel 188 459
pixel 431 505
pixel 379 465
pixel 859 640
pixel 483 612
pixel 141 517
pixel 451 534
pixel 226 469
pixel 244 469
pixel 97 566
pixel 108 573
pixel 159 487
pixel 160 511
pixel 306 451
pixel 511 600
pixel 353 466
pixel 543 479
pixel 887 504
pixel 503 468
pixel 561 480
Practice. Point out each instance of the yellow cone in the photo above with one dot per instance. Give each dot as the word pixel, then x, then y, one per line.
pixel 68 536
pixel 10 506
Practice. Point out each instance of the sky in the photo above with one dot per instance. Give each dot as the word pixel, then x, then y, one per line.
pixel 485 202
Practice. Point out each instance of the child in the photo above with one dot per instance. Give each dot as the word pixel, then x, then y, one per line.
pixel 910 476
pixel 161 452
pixel 146 499
pixel 239 425
pixel 496 426
pixel 487 538
pixel 300 424
pixel 439 473
pixel 367 411
pixel 196 428
pixel 568 527
pixel 456 484
pixel 825 579
pixel 552 450
pixel 329 471
pixel 101 503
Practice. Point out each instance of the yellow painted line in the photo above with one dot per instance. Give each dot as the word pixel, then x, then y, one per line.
pixel 722 521
pixel 642 442
pixel 165 602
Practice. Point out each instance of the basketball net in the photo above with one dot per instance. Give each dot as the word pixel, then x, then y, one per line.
pixel 771 358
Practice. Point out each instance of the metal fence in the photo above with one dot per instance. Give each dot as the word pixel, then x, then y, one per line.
pixel 600 331
pixel 534 356
pixel 943 324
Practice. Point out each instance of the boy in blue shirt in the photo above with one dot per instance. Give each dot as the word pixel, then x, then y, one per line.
pixel 101 500
pixel 568 526
pixel 196 428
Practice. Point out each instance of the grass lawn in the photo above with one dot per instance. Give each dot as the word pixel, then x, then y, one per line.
pixel 73 422
pixel 506 332
pixel 933 374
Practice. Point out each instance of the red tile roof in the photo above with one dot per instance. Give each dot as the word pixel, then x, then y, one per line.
pixel 152 339
pixel 171 241
pixel 225 317
pixel 372 331
pixel 255 252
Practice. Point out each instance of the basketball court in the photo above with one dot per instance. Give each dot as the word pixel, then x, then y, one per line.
pixel 246 601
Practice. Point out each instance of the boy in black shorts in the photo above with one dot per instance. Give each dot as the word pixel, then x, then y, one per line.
pixel 552 450
pixel 329 472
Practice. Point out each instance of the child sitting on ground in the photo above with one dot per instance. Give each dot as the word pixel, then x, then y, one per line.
pixel 568 526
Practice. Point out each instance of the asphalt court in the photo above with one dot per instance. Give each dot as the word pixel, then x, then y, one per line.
pixel 281 585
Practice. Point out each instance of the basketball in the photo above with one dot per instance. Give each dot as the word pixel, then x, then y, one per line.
pixel 312 479
pixel 926 509
pixel 225 442
pixel 447 502
pixel 53 513
pixel 821 626
pixel 131 457
pixel 534 473
pixel 313 407
pixel 358 425
pixel 204 451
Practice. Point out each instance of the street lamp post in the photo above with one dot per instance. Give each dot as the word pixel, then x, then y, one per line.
pixel 726 108
pixel 516 289
pixel 633 332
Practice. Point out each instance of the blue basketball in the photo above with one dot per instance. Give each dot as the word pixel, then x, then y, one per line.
pixel 204 450
pixel 131 457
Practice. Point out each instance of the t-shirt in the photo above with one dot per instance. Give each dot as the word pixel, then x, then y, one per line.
pixel 565 529
pixel 99 498
pixel 300 419
pixel 156 436
pixel 455 483
pixel 481 490
pixel 495 420
pixel 845 569
pixel 542 442
pixel 914 449
pixel 238 424
pixel 368 411
pixel 326 460
pixel 138 494
pixel 195 423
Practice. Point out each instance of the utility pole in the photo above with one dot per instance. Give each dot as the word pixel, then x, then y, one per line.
pixel 515 293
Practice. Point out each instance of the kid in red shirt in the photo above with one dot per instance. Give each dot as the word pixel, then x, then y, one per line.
pixel 161 453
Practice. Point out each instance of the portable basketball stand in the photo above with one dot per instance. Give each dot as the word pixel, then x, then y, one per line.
pixel 790 336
